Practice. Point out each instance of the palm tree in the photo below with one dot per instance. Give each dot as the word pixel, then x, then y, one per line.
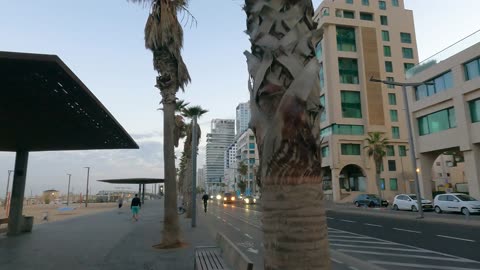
pixel 164 37
pixel 285 117
pixel 376 148
pixel 180 128
pixel 242 170
pixel 190 112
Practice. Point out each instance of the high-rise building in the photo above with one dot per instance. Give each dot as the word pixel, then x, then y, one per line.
pixel 201 177
pixel 242 117
pixel 247 153
pixel 230 166
pixel 364 39
pixel 221 136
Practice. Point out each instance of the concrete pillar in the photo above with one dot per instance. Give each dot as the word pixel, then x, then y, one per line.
pixel 139 190
pixel 15 218
pixel 143 194
pixel 425 163
pixel 472 170
pixel 336 185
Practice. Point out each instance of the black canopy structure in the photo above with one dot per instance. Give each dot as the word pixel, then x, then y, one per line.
pixel 138 181
pixel 45 107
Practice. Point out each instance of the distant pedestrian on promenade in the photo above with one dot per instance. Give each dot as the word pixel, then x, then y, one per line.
pixel 120 202
pixel 205 200
pixel 135 206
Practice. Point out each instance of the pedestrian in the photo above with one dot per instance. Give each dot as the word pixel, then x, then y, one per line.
pixel 120 202
pixel 205 200
pixel 135 206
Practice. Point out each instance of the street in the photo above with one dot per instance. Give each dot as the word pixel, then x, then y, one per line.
pixel 387 242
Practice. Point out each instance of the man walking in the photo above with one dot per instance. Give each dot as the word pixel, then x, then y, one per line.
pixel 205 200
pixel 135 206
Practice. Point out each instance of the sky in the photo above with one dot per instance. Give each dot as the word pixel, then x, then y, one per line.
pixel 102 42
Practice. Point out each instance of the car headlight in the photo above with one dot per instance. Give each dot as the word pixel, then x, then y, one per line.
pixel 254 200
pixel 211 196
pixel 225 198
pixel 240 197
pixel 233 198
pixel 219 197
pixel 247 200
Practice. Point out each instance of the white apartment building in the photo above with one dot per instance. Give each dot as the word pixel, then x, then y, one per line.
pixel 247 152
pixel 242 117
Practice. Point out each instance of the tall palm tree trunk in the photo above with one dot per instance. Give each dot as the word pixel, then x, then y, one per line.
pixel 377 178
pixel 285 106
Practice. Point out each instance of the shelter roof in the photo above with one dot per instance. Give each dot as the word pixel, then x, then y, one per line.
pixel 133 181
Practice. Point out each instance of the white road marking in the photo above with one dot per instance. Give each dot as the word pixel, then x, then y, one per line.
pixel 346 220
pixel 382 248
pixel 362 241
pixel 405 230
pixel 373 225
pixel 330 218
pixel 224 220
pixel 248 236
pixel 236 228
pixel 455 238
pixel 337 261
pixel 404 255
pixel 347 237
pixel 229 224
pixel 426 266
pixel 252 250
pixel 353 268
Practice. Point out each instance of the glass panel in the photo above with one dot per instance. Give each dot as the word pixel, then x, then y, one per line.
pixel 382 183
pixel 382 5
pixel 346 39
pixel 395 3
pixel 393 184
pixel 325 151
pixel 452 120
pixel 322 77
pixel 407 66
pixel 350 149
pixel 348 69
pixel 390 79
pixel 421 92
pixel 392 166
pixel 475 110
pixel 438 121
pixel 351 105
pixel 357 130
pixel 392 99
pixel 448 80
pixel 423 125
pixel 407 53
pixel 472 69
pixel 395 133
pixel 385 35
pixel 387 51
pixel 365 2
pixel 349 1
pixel 402 150
pixel 388 66
pixel 326 131
pixel 394 115
pixel 319 51
pixel 383 20
pixel 405 38
pixel 323 116
pixel 390 151
pixel 366 16
pixel 348 14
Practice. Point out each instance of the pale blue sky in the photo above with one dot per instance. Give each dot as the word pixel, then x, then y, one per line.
pixel 102 42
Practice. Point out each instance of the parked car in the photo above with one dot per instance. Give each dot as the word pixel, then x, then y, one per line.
pixel 409 202
pixel 456 202
pixel 370 200
pixel 250 200
pixel 228 198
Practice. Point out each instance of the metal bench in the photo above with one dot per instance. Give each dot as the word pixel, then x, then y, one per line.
pixel 213 258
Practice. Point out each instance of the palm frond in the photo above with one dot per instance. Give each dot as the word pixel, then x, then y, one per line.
pixel 194 111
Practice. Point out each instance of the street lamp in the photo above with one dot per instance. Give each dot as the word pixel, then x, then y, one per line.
pixel 88 177
pixel 68 190
pixel 6 192
pixel 410 135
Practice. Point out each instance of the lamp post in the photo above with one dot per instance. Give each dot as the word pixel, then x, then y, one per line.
pixel 6 192
pixel 88 177
pixel 68 190
pixel 194 171
pixel 410 135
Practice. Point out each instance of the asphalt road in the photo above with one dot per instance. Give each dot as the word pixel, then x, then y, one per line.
pixel 385 241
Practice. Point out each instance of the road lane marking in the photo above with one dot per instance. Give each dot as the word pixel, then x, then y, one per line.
pixel 373 225
pixel 252 250
pixel 363 241
pixel 243 220
pixel 426 266
pixel 330 218
pixel 346 220
pixel 229 224
pixel 224 220
pixel 347 236
pixel 405 230
pixel 353 268
pixel 337 261
pixel 236 228
pixel 455 238
pixel 248 236
pixel 404 255
pixel 382 248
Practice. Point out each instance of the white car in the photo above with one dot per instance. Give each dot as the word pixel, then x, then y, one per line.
pixel 409 202
pixel 456 202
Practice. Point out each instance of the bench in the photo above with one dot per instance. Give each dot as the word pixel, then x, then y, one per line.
pixel 214 257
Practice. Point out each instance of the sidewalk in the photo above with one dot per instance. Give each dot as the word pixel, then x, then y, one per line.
pixel 110 240
pixel 429 216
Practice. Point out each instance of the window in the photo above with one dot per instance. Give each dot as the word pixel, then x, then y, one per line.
pixel 351 105
pixel 383 20
pixel 392 99
pixel 325 151
pixel 349 1
pixel 365 2
pixel 388 66
pixel 472 69
pixel 348 14
pixel 395 3
pixel 326 131
pixel 390 151
pixel 387 51
pixel 437 121
pixel 407 66
pixel 350 149
pixel 322 77
pixel 394 115
pixel 319 51
pixel 393 184
pixel 475 110
pixel 348 129
pixel 382 5
pixel 402 150
pixel 251 145
pixel 251 161
pixel 407 53
pixel 348 69
pixel 323 116
pixel 252 151
pixel 346 39
pixel 436 85
pixel 405 37
pixel 395 133
pixel 382 183
pixel 385 35
pixel 392 166
pixel 366 16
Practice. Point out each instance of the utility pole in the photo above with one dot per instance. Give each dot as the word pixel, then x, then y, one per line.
pixel 194 171
pixel 68 190
pixel 6 192
pixel 410 136
pixel 88 178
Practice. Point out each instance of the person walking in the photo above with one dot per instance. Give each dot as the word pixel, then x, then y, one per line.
pixel 205 200
pixel 120 202
pixel 135 207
